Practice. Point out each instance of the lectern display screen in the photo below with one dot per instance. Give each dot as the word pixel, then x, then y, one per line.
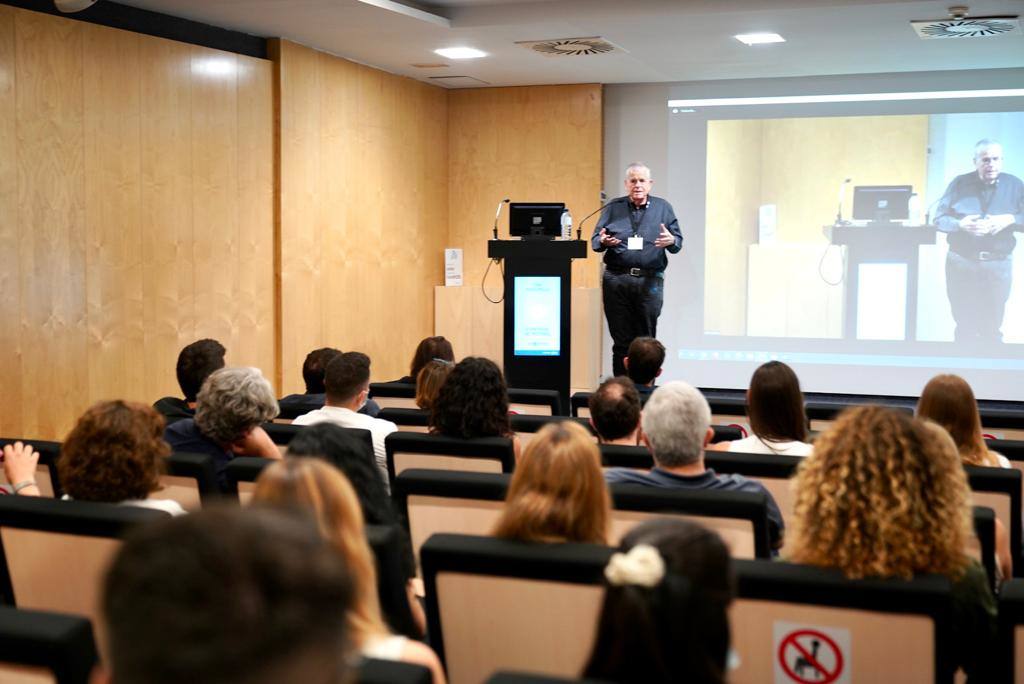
pixel 538 320
pixel 882 203
pixel 535 219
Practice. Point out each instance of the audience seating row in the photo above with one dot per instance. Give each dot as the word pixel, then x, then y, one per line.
pixel 499 605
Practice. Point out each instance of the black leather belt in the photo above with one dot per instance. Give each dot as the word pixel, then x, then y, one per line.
pixel 635 272
pixel 983 255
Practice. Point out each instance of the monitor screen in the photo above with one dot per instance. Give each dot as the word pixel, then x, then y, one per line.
pixel 538 319
pixel 533 218
pixel 881 202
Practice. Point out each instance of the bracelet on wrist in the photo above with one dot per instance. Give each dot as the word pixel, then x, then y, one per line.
pixel 22 485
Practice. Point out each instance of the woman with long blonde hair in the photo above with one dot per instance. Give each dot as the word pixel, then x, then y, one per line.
pixel 321 489
pixel 883 496
pixel 558 493
pixel 949 401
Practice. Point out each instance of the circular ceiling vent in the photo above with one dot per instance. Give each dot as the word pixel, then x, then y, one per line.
pixel 985 27
pixel 570 47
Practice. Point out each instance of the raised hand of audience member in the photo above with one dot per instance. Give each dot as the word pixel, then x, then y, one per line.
pixel 256 443
pixel 20 468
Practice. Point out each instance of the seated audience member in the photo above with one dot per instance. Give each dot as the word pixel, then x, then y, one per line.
pixel 665 614
pixel 557 493
pixel 676 427
pixel 313 371
pixel 114 454
pixel 195 363
pixel 615 412
pixel 429 381
pixel 353 458
pixel 775 406
pixel 882 497
pixel 429 348
pixel 227 596
pixel 643 363
pixel 473 402
pixel 315 487
pixel 230 408
pixel 347 382
pixel 949 401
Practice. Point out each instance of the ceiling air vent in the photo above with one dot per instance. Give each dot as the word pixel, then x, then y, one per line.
pixel 570 47
pixel 978 27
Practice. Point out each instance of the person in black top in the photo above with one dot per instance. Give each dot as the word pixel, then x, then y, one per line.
pixel 634 232
pixel 195 363
pixel 980 211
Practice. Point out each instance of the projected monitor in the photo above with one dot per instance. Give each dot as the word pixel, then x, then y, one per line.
pixel 532 218
pixel 538 322
pixel 881 203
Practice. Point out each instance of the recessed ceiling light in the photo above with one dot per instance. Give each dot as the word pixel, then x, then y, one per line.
pixel 460 53
pixel 759 38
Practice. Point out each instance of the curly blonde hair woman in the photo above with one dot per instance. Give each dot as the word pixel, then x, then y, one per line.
pixel 318 487
pixel 557 493
pixel 884 495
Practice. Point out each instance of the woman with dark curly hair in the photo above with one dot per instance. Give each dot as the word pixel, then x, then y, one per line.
pixel 429 348
pixel 114 454
pixel 473 402
pixel 884 495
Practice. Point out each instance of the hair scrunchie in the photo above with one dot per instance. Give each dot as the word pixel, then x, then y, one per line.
pixel 642 566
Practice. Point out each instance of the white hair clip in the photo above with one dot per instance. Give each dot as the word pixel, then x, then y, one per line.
pixel 642 565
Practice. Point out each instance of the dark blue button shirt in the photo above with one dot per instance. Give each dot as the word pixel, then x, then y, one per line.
pixel 622 222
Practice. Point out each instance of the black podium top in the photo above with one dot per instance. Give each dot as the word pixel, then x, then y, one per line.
pixel 557 250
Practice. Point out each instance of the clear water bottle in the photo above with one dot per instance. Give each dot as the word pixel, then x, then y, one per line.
pixel 566 225
pixel 914 210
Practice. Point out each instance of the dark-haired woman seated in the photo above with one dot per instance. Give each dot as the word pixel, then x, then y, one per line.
pixel 473 402
pixel 429 348
pixel 665 613
pixel 775 407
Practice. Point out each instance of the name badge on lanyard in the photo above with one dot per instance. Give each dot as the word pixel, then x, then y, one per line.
pixel 635 242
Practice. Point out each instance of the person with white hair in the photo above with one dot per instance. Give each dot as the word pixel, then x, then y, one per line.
pixel 634 232
pixel 676 427
pixel 230 407
pixel 980 211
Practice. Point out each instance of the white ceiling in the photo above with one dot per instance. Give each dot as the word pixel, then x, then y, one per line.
pixel 662 40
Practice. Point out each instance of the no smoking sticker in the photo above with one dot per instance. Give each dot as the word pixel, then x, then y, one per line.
pixel 808 654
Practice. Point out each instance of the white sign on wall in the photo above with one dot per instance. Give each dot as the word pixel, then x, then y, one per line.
pixel 452 267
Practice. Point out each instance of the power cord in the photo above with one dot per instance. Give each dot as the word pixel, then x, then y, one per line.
pixel 483 281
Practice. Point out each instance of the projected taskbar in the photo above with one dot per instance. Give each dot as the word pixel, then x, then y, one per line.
pixel 891 360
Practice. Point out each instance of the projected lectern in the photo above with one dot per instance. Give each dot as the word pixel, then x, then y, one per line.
pixel 538 278
pixel 881 266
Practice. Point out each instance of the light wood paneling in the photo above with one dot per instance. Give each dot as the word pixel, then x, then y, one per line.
pixel 113 194
pixel 363 221
pixel 51 219
pixel 136 196
pixel 169 316
pixel 10 274
pixel 537 143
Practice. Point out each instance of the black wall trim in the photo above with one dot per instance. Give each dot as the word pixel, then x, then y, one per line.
pixel 149 23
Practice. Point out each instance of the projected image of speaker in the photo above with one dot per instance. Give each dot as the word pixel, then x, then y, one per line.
pixel 535 220
pixel 882 203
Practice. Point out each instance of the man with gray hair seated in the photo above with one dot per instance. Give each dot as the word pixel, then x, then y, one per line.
pixel 230 407
pixel 676 426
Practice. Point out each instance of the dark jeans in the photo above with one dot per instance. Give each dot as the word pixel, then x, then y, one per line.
pixel 632 305
pixel 977 292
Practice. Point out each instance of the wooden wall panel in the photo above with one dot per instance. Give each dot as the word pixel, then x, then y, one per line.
pixel 169 316
pixel 137 200
pixel 51 218
pixel 112 143
pixel 10 275
pixel 363 222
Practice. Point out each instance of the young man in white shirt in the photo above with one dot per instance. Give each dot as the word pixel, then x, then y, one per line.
pixel 347 385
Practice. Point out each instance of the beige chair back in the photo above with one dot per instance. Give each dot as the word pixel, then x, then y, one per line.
pixel 432 514
pixel 500 623
pixel 184 490
pixel 530 409
pixel 885 647
pixel 737 534
pixel 56 571
pixel 396 402
pixel 407 460
pixel 43 481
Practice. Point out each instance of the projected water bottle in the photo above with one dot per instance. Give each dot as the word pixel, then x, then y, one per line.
pixel 566 225
pixel 914 210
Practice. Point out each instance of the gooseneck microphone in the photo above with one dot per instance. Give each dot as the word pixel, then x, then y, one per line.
pixel 497 214
pixel 579 226
pixel 839 211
